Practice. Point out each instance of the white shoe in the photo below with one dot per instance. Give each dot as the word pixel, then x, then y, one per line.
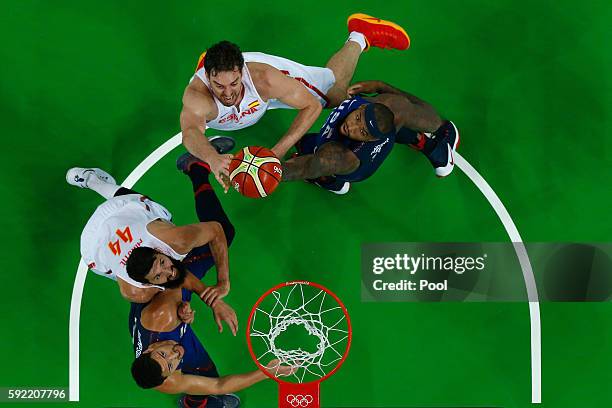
pixel 331 184
pixel 79 176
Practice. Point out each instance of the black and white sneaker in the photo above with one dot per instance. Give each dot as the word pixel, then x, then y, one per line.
pixel 222 144
pixel 79 176
pixel 186 160
pixel 332 184
pixel 441 156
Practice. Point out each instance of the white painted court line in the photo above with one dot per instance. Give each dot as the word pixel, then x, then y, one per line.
pixel 483 186
pixel 79 282
pixel 521 253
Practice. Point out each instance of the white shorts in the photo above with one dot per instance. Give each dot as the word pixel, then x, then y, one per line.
pixel 317 80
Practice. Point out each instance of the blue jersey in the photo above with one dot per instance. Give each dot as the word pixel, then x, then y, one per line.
pixel 371 154
pixel 195 360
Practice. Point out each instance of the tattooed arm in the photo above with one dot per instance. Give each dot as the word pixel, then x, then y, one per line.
pixel 332 158
pixel 409 111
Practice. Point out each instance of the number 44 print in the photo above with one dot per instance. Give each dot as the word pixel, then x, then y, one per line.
pixel 125 235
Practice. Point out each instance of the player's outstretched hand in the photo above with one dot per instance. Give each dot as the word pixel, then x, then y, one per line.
pixel 219 165
pixel 364 87
pixel 224 313
pixel 185 313
pixel 275 368
pixel 212 294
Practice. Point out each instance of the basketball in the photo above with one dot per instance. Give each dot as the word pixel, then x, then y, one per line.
pixel 255 172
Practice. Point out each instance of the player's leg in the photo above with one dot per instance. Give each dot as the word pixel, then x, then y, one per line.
pixel 423 129
pixel 94 179
pixel 97 180
pixel 364 32
pixel 343 64
pixel 208 206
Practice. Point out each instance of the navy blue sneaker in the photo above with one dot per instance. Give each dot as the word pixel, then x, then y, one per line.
pixel 223 401
pixel 222 144
pixel 186 160
pixel 441 156
pixel 331 183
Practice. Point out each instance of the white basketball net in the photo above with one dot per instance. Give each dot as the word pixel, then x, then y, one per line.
pixel 318 313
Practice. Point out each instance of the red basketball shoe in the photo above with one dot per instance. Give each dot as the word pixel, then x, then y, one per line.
pixel 379 33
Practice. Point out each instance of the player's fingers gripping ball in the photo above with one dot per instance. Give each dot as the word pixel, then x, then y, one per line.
pixel 255 172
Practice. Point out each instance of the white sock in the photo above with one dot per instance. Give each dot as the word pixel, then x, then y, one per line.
pixel 358 38
pixel 106 190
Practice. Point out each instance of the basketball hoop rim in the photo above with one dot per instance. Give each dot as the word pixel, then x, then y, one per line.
pixel 316 285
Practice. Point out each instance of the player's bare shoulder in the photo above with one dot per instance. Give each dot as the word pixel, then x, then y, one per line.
pixel 263 76
pixel 159 226
pixel 198 102
pixel 170 234
pixel 172 384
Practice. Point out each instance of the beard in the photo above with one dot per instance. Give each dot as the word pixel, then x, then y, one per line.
pixel 180 275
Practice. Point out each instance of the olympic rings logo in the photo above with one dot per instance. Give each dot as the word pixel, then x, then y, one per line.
pixel 300 400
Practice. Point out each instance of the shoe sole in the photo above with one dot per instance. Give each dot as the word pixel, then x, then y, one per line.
pixel 377 21
pixel 345 189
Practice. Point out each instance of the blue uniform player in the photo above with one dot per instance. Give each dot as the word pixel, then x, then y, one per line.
pixel 171 359
pixel 169 356
pixel 165 346
pixel 352 144
pixel 360 133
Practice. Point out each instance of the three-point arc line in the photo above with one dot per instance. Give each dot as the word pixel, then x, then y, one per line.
pixel 470 172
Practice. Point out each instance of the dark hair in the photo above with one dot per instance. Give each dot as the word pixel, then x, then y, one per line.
pixel 140 263
pixel 147 372
pixel 384 118
pixel 223 56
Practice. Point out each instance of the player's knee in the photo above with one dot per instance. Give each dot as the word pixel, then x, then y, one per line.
pixel 336 96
